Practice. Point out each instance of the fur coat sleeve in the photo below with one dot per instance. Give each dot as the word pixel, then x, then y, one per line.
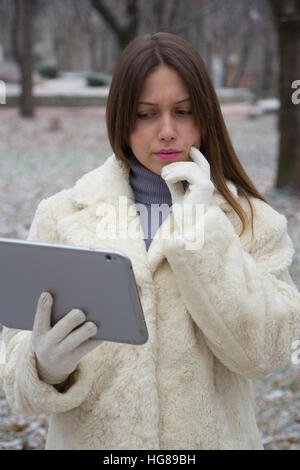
pixel 240 293
pixel 24 390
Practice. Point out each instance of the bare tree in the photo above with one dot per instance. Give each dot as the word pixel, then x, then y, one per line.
pixel 124 29
pixel 24 18
pixel 244 53
pixel 287 20
pixel 236 39
pixel 162 14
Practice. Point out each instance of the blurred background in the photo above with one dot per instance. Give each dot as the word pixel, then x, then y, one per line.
pixel 56 62
pixel 237 39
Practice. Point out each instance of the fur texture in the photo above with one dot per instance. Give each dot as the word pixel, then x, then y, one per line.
pixel 217 318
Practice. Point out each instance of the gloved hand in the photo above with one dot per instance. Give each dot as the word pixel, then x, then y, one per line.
pixel 199 191
pixel 197 173
pixel 58 349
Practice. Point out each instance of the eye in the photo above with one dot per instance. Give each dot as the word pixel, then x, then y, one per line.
pixel 144 115
pixel 181 112
pixel 184 112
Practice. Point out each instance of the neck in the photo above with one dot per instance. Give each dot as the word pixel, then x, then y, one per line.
pixel 148 187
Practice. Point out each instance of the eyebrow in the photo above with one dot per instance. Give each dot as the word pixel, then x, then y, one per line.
pixel 154 104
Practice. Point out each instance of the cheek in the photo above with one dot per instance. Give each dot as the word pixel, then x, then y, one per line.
pixel 134 140
pixel 193 135
pixel 139 137
pixel 197 135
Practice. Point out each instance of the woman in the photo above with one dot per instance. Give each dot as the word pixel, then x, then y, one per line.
pixel 219 303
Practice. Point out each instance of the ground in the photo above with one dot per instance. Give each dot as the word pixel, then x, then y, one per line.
pixel 41 156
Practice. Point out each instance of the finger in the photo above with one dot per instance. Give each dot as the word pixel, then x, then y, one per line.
pixel 200 159
pixel 42 319
pixel 179 167
pixel 174 177
pixel 79 336
pixel 176 189
pixel 63 327
pixel 180 171
pixel 85 348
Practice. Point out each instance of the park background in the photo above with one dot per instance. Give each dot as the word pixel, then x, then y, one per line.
pixel 56 62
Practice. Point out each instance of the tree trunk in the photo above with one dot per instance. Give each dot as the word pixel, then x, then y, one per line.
pixel 224 61
pixel 26 9
pixel 243 60
pixel 15 33
pixel 208 57
pixel 267 68
pixel 126 30
pixel 288 28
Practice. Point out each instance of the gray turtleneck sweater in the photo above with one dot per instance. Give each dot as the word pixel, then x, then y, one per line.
pixel 149 190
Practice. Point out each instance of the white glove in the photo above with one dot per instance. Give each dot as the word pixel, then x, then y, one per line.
pixel 199 191
pixel 197 173
pixel 58 349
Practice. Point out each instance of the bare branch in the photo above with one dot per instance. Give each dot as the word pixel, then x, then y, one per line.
pixel 108 16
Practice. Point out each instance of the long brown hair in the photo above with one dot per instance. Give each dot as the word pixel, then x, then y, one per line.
pixel 139 58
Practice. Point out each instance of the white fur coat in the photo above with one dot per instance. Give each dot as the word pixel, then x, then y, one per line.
pixel 217 318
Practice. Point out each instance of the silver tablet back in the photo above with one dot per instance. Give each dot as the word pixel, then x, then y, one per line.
pixel 99 282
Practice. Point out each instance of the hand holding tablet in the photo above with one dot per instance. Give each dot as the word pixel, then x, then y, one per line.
pixel 60 348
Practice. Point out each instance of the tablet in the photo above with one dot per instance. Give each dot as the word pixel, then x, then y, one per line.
pixel 100 282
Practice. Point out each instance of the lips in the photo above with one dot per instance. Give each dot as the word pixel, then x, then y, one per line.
pixel 169 154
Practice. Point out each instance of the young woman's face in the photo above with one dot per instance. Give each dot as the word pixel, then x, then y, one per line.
pixel 164 121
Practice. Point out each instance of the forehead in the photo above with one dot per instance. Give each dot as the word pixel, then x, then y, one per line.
pixel 163 82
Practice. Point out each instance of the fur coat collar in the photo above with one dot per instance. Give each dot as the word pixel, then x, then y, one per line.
pixel 106 184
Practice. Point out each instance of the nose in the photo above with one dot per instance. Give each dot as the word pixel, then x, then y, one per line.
pixel 167 130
